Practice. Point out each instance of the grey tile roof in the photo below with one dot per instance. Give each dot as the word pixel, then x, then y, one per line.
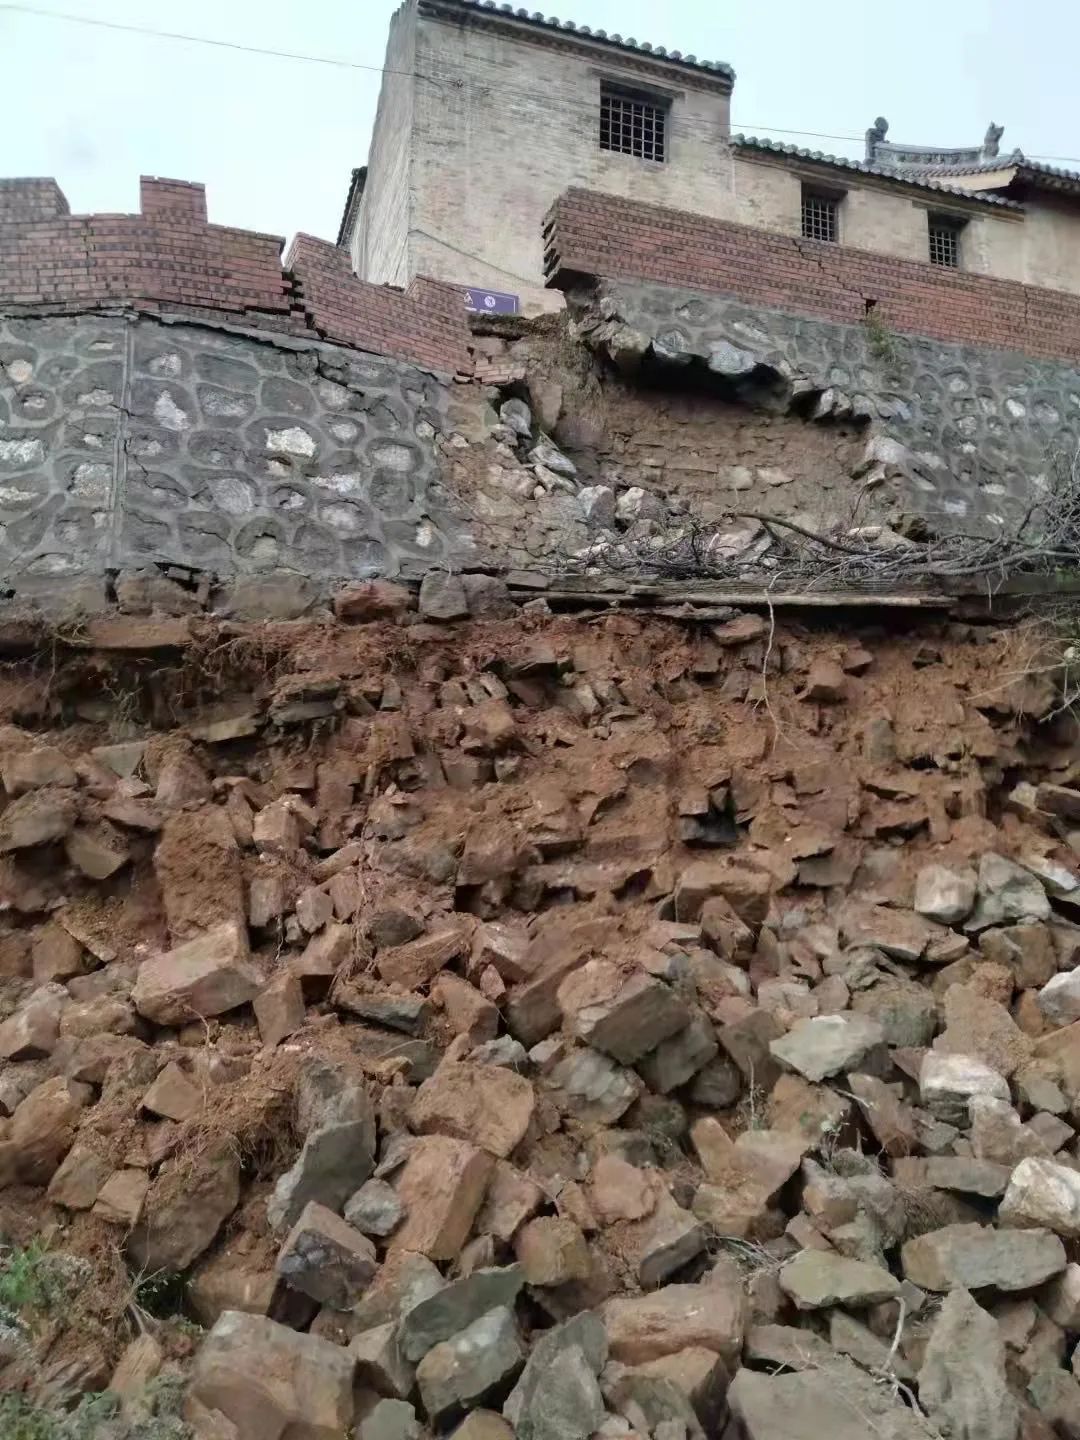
pixel 1015 160
pixel 901 177
pixel 619 42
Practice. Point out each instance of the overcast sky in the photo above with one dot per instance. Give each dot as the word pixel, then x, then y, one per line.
pixel 274 140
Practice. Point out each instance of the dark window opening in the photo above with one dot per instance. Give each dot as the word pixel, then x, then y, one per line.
pixel 632 124
pixel 820 216
pixel 944 240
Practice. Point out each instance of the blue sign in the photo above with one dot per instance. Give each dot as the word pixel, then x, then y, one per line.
pixel 491 302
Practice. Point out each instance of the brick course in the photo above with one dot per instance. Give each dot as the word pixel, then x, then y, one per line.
pixel 168 258
pixel 603 236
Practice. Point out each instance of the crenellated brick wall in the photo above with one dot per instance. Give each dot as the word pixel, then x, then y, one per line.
pixel 592 235
pixel 170 259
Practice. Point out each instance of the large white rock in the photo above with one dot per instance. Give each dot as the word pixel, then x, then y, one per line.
pixel 827 1044
pixel 944 894
pixel 1041 1192
pixel 948 1082
pixel 1059 999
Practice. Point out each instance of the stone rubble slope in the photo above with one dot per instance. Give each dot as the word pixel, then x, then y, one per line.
pixel 544 1027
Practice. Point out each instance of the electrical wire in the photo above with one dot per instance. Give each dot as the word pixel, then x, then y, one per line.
pixel 15 8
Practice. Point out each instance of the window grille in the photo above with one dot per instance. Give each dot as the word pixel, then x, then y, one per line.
pixel 632 125
pixel 944 237
pixel 820 218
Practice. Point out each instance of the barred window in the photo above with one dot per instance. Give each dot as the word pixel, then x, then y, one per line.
pixel 820 216
pixel 632 124
pixel 944 238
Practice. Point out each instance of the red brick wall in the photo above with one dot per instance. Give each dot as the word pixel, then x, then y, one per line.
pixel 587 234
pixel 428 320
pixel 168 258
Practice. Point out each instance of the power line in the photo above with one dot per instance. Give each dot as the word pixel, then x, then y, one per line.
pixel 196 39
pixel 14 8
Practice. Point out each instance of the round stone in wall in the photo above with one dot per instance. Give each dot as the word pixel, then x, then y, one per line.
pixel 291 440
pixel 232 494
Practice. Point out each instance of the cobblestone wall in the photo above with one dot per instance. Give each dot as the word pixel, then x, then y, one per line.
pixel 128 440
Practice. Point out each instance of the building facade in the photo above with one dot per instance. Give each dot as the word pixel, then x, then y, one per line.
pixel 487 114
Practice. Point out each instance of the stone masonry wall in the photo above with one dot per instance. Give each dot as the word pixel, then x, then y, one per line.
pixel 125 440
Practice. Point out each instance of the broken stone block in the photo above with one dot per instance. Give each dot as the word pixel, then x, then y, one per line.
pixel 897 933
pixel 839 1401
pixel 120 1199
pixel 55 954
pixel 824 1045
pixel 317 965
pixel 944 895
pixel 390 1420
pixel 1056 1397
pixel 816 1279
pixel 41 1131
pixel 1007 893
pixel 442 596
pixel 367 600
pixel 471 1367
pixel 380 1363
pixel 325 1258
pixel 442 1186
pixel 98 851
pixel 375 1209
pixel 417 962
pixel 825 682
pixel 485 1104
pixel 468 1012
pixel 279 1008
pixel 676 1060
pixel 32 1032
pixel 701 1376
pixel 998 1133
pixel 512 1198
pixel 970 1177
pixel 207 976
pixel 1060 1298
pixel 441 1316
pixel 592 1088
pixel 983 1028
pixel 893 1123
pixel 623 1015
pixel 665 1242
pixel 172 1095
pixel 1059 999
pixel 746 889
pixel 1042 1193
pixel 962 1385
pixel 186 1206
pixel 977 1257
pixel 947 1084
pixel 552 1251
pixel 37 818
pixel 44 765
pixel 77 1182
pixel 711 1315
pixel 337 1155
pixel 269 1380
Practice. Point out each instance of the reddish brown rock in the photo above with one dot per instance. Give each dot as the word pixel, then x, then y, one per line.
pixel 202 978
pixel 279 1008
pixel 485 1104
pixel 442 1186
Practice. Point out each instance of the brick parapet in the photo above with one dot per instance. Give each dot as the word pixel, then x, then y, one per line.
pixel 589 235
pixel 169 259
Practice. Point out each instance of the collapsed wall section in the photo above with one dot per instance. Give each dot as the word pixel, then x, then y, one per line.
pixel 969 385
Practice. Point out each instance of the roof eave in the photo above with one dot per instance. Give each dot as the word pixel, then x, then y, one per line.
pixel 352 206
pixel 540 27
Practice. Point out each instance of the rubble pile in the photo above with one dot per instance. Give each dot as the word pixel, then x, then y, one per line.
pixel 541 1027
